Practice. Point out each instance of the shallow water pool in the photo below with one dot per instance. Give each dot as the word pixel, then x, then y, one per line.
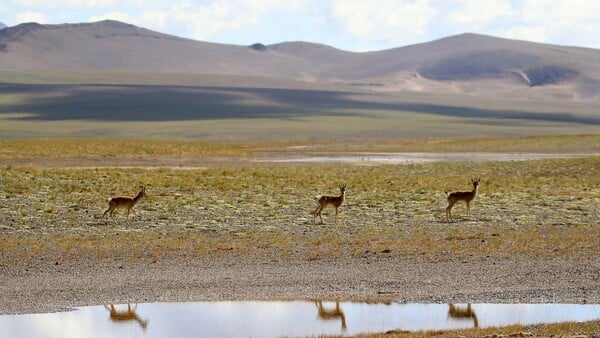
pixel 281 318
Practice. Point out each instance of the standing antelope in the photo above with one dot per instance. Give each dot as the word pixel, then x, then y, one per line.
pixel 327 200
pixel 466 196
pixel 123 203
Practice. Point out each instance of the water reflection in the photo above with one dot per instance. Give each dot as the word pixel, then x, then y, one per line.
pixel 460 313
pixel 276 319
pixel 120 316
pixel 331 314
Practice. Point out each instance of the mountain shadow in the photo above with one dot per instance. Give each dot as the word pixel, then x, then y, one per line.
pixel 179 103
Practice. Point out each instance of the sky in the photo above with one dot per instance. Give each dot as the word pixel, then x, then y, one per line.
pixel 353 25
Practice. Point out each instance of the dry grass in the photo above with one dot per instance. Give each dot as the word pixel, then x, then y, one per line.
pixel 526 144
pixel 110 148
pixel 586 329
pixel 60 148
pixel 529 208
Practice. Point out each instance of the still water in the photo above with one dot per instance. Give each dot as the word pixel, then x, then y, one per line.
pixel 413 157
pixel 276 319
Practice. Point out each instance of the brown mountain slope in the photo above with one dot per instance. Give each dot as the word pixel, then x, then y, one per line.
pixel 464 63
pixel 110 46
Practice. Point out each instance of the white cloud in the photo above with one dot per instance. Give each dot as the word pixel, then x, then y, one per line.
pixel 153 19
pixel 393 21
pixel 528 33
pixel 210 19
pixel 221 15
pixel 30 17
pixel 64 3
pixel 556 21
pixel 473 14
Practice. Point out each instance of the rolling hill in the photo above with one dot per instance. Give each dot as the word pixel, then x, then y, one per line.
pixel 463 63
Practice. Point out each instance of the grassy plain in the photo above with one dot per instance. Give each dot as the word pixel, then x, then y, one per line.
pixel 132 148
pixel 540 208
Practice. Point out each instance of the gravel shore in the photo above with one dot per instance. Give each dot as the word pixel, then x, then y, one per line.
pixel 46 285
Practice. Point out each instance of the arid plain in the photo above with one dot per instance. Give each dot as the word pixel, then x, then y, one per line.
pixel 237 228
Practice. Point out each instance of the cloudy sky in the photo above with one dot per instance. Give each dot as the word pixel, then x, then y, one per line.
pixel 356 25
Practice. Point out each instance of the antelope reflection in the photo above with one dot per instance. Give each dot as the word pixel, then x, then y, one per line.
pixel 126 315
pixel 331 313
pixel 462 313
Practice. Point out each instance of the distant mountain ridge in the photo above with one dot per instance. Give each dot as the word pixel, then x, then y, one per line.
pixel 466 62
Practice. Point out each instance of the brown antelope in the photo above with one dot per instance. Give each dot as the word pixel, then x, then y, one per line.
pixel 466 196
pixel 123 203
pixel 331 314
pixel 126 315
pixel 327 200
pixel 458 313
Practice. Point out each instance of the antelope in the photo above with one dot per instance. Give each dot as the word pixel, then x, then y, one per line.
pixel 331 314
pixel 466 196
pixel 123 203
pixel 328 200
pixel 129 314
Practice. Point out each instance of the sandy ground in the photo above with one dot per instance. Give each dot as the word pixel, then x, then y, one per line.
pixel 45 285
